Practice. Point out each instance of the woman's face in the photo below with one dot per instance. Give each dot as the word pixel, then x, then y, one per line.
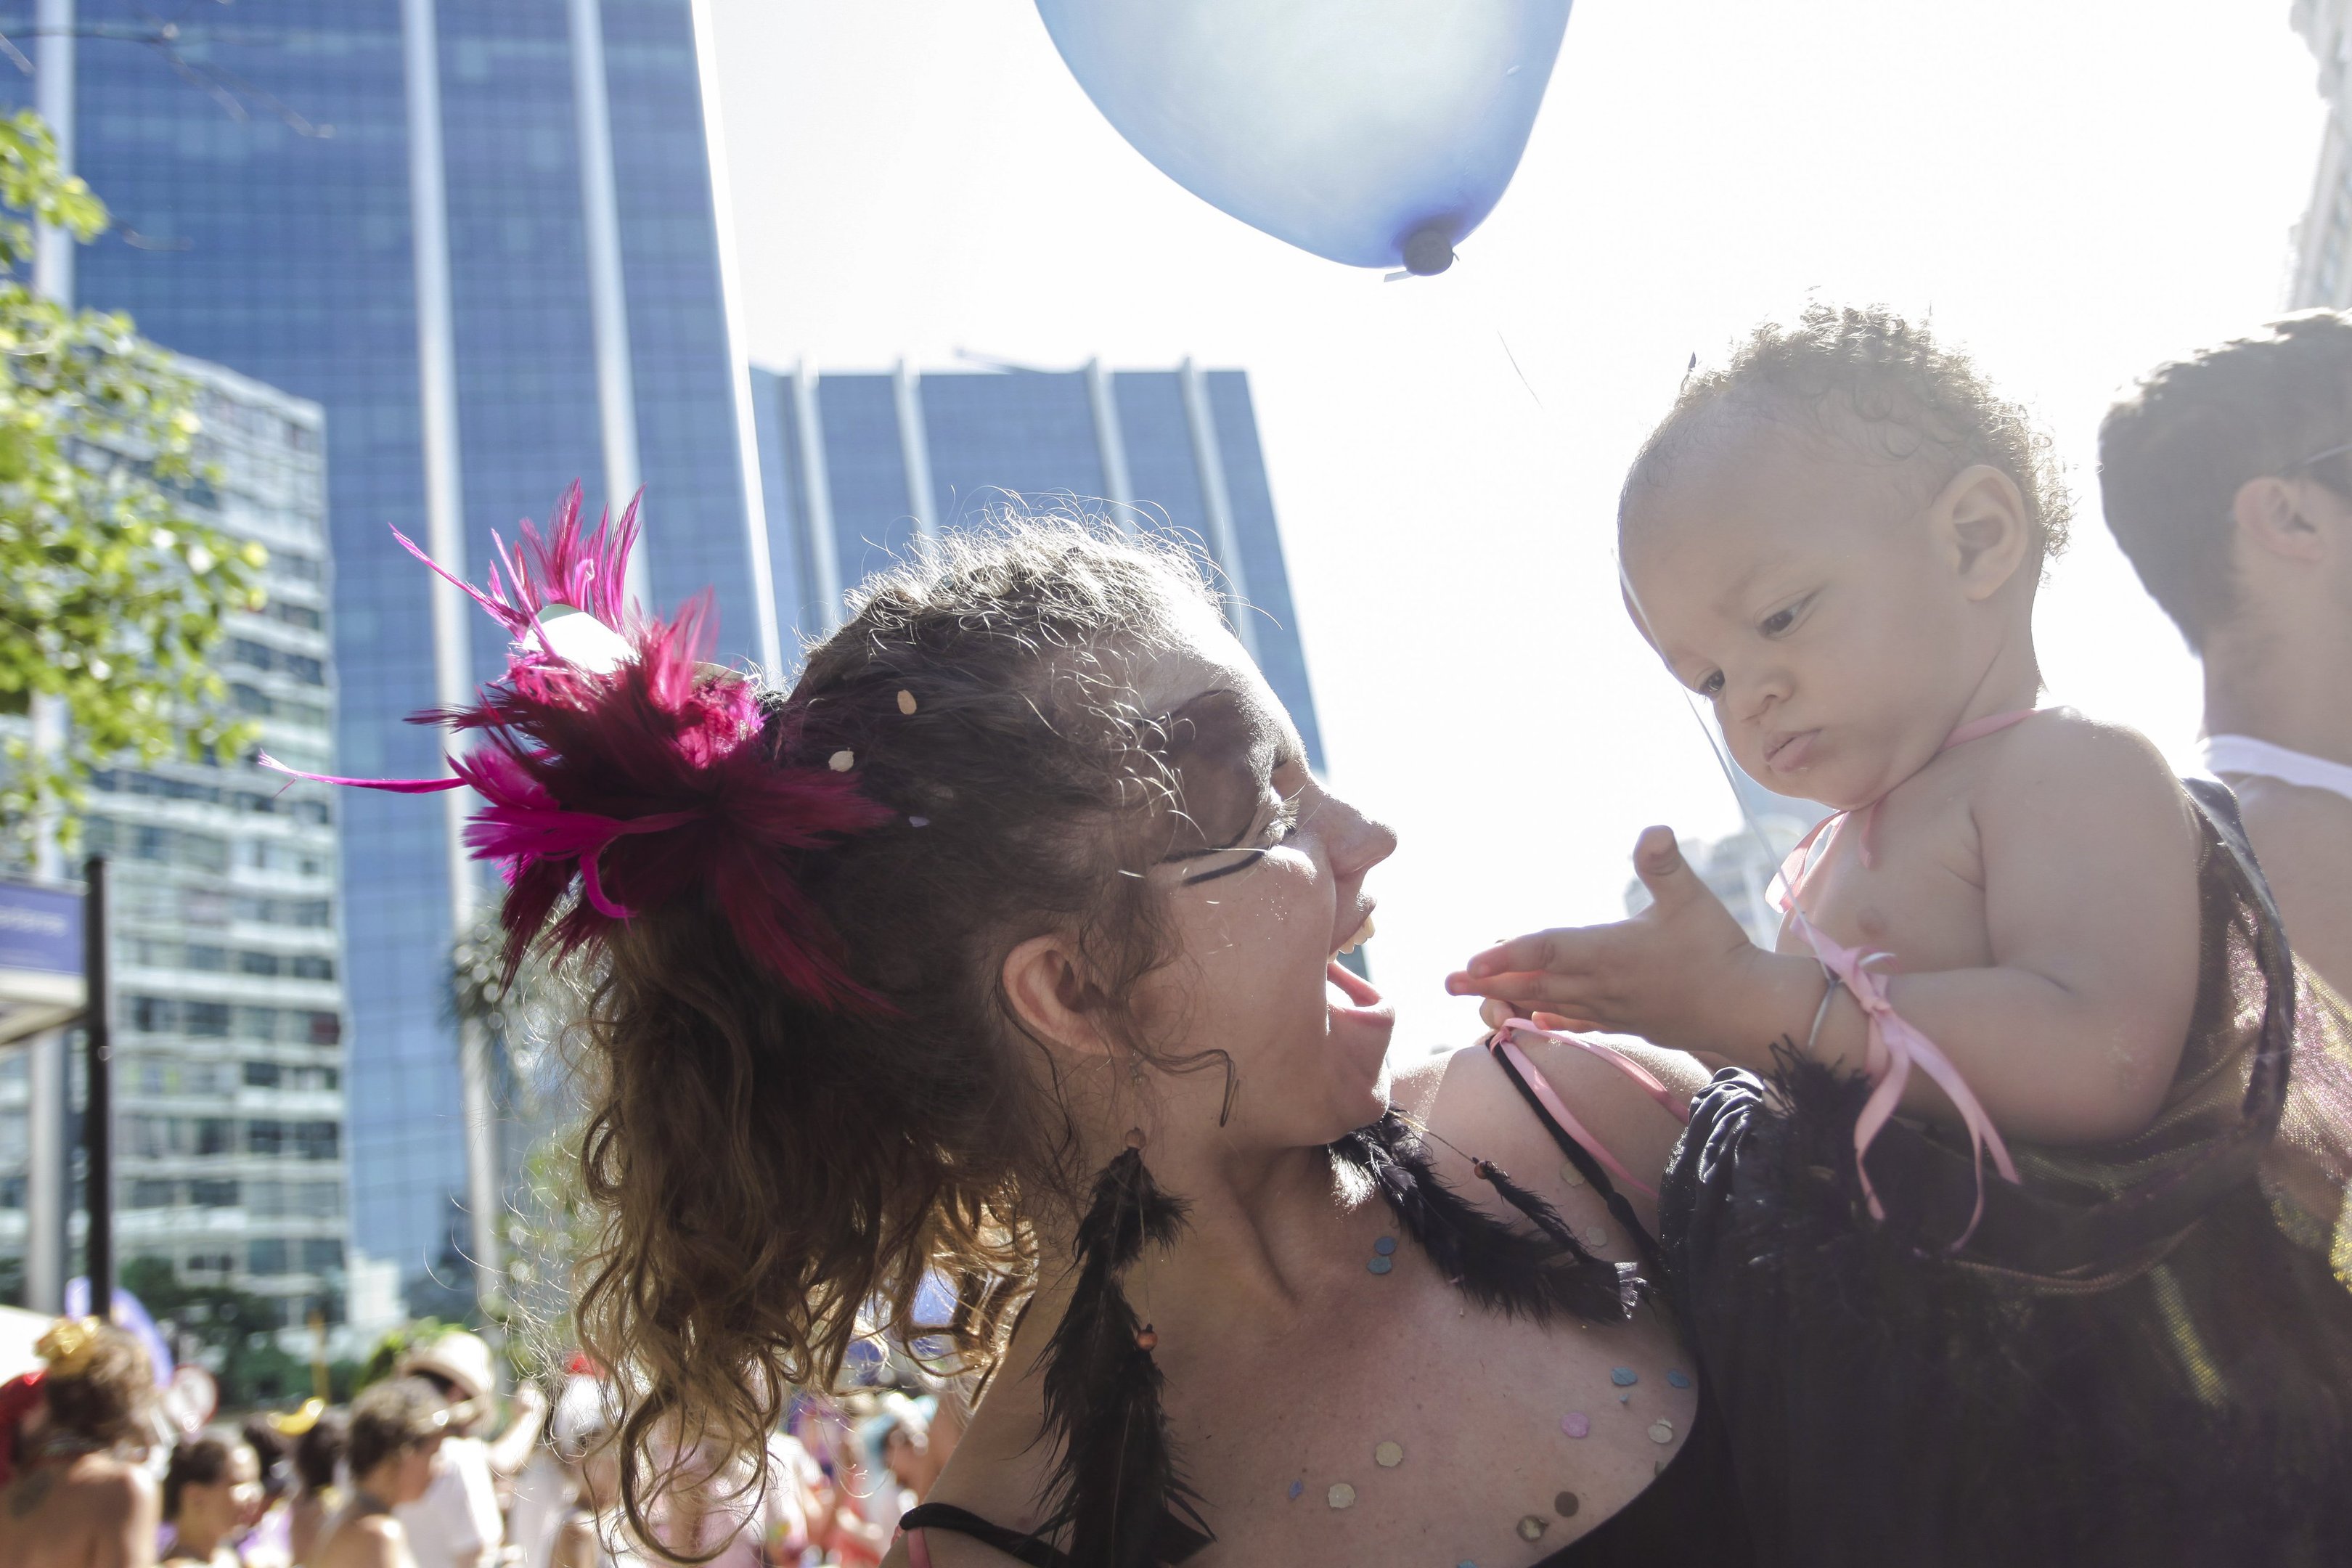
pixel 1263 883
pixel 412 1470
pixel 209 1511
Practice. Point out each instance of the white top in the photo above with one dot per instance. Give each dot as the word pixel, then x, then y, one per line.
pixel 2248 758
pixel 455 1523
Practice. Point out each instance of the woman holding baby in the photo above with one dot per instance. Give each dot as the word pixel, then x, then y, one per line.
pixel 1004 946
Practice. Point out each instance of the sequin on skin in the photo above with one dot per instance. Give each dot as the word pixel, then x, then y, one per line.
pixel 1576 1423
pixel 1565 1505
pixel 1624 1376
pixel 1296 1488
pixel 1596 1236
pixel 1388 1455
pixel 1385 1246
pixel 1571 1175
pixel 1676 1378
pixel 1379 1265
pixel 1532 1526
pixel 1661 1431
pixel 1342 1495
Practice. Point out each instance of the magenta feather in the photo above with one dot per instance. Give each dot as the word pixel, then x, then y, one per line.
pixel 644 784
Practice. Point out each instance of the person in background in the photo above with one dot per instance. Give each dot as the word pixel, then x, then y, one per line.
pixel 458 1522
pixel 317 1452
pixel 267 1543
pixel 211 1494
pixel 396 1437
pixel 2227 478
pixel 73 1494
pixel 899 1437
pixel 589 1532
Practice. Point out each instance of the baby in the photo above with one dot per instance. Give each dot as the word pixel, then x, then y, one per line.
pixel 1836 541
pixel 2141 1353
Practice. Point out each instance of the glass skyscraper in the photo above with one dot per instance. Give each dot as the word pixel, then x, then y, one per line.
pixel 856 466
pixel 485 236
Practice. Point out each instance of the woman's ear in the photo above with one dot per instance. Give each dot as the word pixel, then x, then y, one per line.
pixel 1045 980
pixel 1981 520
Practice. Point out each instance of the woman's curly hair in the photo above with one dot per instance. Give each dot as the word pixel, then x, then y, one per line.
pixel 1881 386
pixel 774 1179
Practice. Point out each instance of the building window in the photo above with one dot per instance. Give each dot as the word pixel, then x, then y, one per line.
pixel 262 1075
pixel 213 1193
pixel 321 1254
pixel 317 1139
pixel 147 1193
pixel 265 1257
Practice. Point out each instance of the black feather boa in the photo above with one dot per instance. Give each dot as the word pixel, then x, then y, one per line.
pixel 1116 1494
pixel 1502 1269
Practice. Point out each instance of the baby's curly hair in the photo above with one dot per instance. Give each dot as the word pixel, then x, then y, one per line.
pixel 1877 385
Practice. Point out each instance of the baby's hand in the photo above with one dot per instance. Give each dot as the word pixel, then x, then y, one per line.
pixel 1680 973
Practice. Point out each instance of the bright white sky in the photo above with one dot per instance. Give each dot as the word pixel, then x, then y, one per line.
pixel 2075 191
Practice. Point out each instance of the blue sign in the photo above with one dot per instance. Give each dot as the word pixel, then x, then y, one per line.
pixel 40 929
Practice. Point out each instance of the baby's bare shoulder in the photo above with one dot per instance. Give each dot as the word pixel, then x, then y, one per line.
pixel 2062 760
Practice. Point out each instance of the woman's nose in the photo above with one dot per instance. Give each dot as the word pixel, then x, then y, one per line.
pixel 1358 842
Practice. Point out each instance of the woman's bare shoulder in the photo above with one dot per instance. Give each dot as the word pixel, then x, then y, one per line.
pixel 1480 1108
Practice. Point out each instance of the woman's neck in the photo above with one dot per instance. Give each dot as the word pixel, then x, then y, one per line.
pixel 1249 1219
pixel 201 1545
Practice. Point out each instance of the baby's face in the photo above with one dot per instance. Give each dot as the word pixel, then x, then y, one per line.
pixel 1807 596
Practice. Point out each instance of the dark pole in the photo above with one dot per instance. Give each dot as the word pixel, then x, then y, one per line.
pixel 97 1121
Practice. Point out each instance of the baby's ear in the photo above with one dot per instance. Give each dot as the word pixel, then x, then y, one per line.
pixel 1981 520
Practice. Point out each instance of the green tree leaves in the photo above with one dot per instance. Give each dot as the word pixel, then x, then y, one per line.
pixel 112 595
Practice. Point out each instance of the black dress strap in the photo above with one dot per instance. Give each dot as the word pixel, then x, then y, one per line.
pixel 1586 1166
pixel 946 1516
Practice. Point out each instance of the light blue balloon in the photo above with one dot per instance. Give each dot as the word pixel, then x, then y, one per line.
pixel 1375 133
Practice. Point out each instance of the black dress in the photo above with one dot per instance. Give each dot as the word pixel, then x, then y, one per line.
pixel 2143 1355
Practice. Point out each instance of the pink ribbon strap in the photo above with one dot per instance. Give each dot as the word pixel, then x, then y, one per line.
pixel 1895 1044
pixel 919 1551
pixel 1502 1042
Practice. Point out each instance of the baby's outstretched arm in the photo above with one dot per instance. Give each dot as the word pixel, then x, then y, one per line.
pixel 2070 1034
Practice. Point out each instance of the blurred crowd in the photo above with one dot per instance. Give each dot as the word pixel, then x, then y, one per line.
pixel 435 1467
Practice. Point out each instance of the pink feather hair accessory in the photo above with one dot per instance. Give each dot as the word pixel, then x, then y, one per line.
pixel 643 777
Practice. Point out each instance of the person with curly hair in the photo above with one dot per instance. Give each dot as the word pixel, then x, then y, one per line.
pixel 997 962
pixel 76 1495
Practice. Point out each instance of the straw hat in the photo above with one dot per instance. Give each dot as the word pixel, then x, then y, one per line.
pixel 461 1359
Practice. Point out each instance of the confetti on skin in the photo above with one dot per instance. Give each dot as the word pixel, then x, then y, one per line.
pixel 919 822
pixel 1661 1431
pixel 1295 1488
pixel 1565 1505
pixel 1388 1455
pixel 1532 1526
pixel 1342 1495
pixel 1596 1236
pixel 1624 1376
pixel 905 702
pixel 1576 1423
pixel 842 761
pixel 1571 1175
pixel 1379 1265
pixel 1676 1378
pixel 1385 1246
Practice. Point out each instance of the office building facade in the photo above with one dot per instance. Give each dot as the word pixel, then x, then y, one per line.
pixel 857 466
pixel 228 1000
pixel 2323 260
pixel 485 236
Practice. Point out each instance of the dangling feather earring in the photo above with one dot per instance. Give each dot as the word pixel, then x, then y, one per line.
pixel 1115 1488
pixel 1498 1267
